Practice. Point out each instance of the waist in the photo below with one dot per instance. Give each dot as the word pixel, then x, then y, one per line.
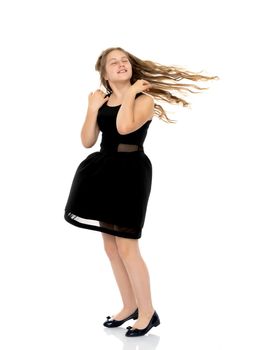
pixel 121 147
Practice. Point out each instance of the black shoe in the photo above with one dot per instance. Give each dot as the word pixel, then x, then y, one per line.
pixel 134 332
pixel 110 323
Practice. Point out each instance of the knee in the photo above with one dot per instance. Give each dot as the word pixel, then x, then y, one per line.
pixel 111 250
pixel 126 251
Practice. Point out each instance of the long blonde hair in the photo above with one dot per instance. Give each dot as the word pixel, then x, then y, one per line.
pixel 164 80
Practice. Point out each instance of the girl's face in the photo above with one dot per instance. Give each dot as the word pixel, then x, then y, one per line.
pixel 118 67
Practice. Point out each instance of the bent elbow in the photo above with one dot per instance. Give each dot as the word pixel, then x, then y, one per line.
pixel 121 132
pixel 123 129
pixel 87 144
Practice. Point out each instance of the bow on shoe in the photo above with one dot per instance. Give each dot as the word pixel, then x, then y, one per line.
pixel 135 332
pixel 110 322
pixel 116 323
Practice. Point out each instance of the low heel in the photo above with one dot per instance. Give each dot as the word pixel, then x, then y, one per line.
pixel 134 332
pixel 156 323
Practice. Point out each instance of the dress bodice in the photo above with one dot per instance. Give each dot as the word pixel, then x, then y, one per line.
pixel 110 135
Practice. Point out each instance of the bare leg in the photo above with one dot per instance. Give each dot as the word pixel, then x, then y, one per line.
pixel 121 276
pixel 138 273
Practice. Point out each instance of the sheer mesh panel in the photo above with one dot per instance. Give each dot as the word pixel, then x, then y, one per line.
pixel 123 147
pixel 118 230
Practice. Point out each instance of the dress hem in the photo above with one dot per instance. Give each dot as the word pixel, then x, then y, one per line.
pixel 101 229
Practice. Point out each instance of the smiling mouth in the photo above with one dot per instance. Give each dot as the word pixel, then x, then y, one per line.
pixel 122 71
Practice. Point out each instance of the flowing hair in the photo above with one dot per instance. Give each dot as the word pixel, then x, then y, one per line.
pixel 164 80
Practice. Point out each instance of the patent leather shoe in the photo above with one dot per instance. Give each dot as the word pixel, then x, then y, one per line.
pixel 135 332
pixel 111 323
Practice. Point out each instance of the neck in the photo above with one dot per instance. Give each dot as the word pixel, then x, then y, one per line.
pixel 119 90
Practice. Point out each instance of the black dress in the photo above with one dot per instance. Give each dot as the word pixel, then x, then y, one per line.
pixel 111 188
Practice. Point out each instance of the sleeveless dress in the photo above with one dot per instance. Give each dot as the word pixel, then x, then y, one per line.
pixel 111 188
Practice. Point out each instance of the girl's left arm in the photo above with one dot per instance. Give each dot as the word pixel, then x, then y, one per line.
pixel 134 112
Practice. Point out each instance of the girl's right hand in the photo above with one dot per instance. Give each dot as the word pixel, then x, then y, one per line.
pixel 97 99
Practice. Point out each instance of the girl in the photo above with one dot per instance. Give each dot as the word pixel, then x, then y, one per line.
pixel 111 188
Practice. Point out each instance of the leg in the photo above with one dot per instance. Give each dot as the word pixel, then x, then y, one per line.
pixel 137 270
pixel 121 276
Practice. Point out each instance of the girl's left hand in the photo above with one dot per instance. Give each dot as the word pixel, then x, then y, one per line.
pixel 141 85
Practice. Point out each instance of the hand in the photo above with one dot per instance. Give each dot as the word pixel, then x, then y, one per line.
pixel 97 99
pixel 141 85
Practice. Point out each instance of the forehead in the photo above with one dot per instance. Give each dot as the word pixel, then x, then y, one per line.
pixel 116 54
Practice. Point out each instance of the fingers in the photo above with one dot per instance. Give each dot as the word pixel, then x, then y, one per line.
pixel 101 93
pixel 97 93
pixel 145 85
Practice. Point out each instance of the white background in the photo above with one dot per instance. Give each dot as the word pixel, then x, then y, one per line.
pixel 202 238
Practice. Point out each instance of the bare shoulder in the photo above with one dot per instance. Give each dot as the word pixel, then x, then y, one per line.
pixel 144 108
pixel 145 98
pixel 144 102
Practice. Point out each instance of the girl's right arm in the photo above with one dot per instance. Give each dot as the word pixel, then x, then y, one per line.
pixel 90 130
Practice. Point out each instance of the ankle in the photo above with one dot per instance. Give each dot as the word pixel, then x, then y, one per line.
pixel 146 313
pixel 130 307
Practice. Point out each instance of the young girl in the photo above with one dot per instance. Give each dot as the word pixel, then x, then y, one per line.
pixel 111 188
